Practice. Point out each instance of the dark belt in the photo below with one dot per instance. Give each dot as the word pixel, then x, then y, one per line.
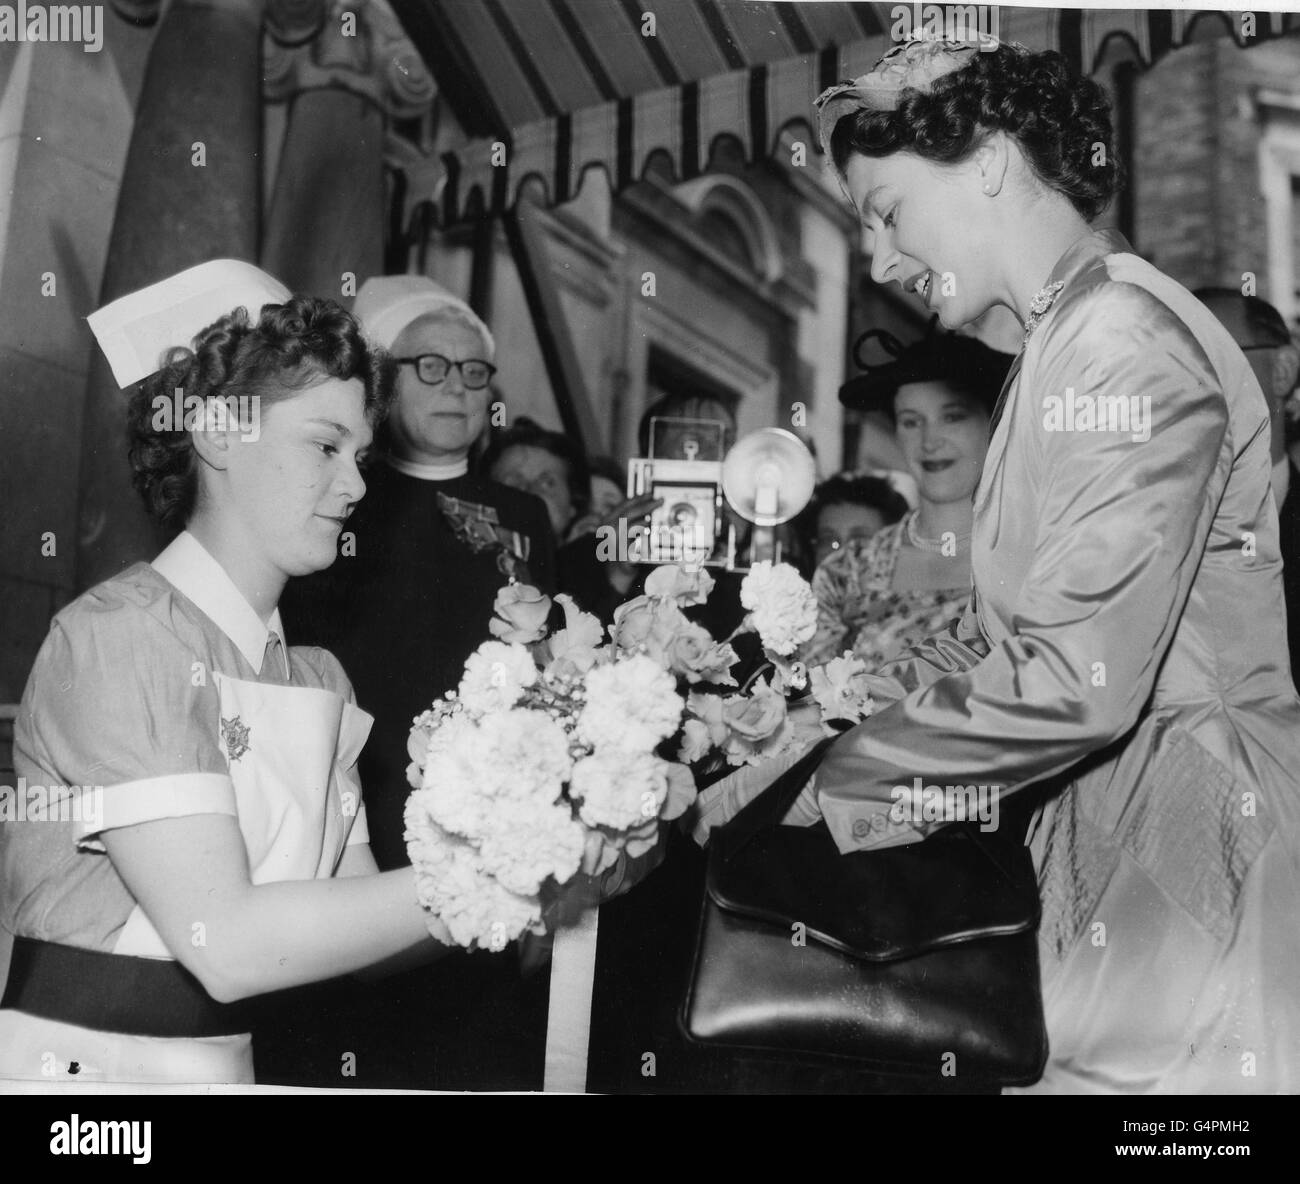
pixel 114 993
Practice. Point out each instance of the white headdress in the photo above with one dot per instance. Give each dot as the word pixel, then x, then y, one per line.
pixel 136 331
pixel 386 304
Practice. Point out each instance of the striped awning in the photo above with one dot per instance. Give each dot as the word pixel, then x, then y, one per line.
pixel 547 89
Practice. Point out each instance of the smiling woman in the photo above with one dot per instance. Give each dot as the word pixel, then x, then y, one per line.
pixel 230 857
pixel 884 593
pixel 1110 667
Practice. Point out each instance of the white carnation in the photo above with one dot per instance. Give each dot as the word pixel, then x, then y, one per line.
pixel 781 606
pixel 495 677
pixel 619 789
pixel 530 842
pixel 631 705
pixel 450 881
pixel 525 752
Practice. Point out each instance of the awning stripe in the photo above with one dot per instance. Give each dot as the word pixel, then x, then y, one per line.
pixel 721 35
pixel 796 30
pixel 658 55
pixel 758 137
pixel 522 56
pixel 690 129
pixel 626 173
pixel 754 105
pixel 868 18
pixel 595 67
pixel 685 38
pixel 489 57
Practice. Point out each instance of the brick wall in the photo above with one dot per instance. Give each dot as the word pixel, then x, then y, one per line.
pixel 1199 214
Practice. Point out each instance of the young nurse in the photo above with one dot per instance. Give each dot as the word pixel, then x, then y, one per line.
pixel 226 854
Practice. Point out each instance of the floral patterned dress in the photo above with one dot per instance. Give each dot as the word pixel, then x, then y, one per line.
pixel 858 607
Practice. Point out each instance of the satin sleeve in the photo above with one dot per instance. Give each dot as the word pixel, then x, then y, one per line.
pixel 1121 528
pixel 959 647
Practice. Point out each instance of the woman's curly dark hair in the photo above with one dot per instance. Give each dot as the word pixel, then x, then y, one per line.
pixel 291 347
pixel 1058 118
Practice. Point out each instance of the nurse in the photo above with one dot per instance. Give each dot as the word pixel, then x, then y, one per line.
pixel 212 845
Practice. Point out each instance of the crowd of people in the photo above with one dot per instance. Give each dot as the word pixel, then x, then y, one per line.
pixel 220 693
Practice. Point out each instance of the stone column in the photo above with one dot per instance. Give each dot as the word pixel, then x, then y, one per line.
pixel 189 193
pixel 343 85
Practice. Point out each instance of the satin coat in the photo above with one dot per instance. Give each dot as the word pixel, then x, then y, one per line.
pixel 1123 659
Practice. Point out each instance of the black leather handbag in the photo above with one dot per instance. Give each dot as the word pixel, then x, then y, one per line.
pixel 918 961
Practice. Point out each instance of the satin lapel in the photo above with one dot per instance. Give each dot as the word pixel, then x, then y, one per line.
pixel 997 433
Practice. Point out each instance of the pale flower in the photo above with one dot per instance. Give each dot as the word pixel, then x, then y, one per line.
pixel 758 724
pixel 618 789
pixel 708 710
pixel 630 706
pixel 457 792
pixel 782 607
pixel 696 742
pixel 521 612
pixel 531 842
pixel 678 584
pixel 522 753
pixel 495 677
pixel 840 688
pixel 450 882
pixel 573 650
pixel 647 625
pixel 694 654
pixel 681 791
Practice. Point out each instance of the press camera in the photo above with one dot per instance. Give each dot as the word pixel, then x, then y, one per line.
pixel 767 478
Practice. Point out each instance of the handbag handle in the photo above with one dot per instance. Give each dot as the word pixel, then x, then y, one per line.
pixel 769 807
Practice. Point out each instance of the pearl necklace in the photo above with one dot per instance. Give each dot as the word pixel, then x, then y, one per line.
pixel 933 545
pixel 1043 299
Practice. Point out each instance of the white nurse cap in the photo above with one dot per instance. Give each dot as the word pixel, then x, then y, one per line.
pixel 136 331
pixel 386 304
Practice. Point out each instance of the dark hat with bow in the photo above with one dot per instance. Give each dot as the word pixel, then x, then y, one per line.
pixel 962 362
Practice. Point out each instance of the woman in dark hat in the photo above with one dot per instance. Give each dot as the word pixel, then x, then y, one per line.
pixel 881 595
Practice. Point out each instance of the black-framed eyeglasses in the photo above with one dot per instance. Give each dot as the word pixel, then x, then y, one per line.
pixel 434 368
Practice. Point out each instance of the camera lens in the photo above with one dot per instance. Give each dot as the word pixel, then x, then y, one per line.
pixel 684 514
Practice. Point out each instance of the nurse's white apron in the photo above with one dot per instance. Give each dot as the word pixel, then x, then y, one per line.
pixel 292 753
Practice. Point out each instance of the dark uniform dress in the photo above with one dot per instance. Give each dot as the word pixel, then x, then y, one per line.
pixel 408 600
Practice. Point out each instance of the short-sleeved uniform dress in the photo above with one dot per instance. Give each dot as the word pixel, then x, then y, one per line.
pixel 164 694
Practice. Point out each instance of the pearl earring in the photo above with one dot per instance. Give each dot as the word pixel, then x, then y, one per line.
pixel 988 188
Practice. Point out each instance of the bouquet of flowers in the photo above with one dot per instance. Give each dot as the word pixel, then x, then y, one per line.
pixel 541 765
pixel 553 756
pixel 754 724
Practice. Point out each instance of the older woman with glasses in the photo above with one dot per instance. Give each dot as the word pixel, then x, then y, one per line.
pixel 407 602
